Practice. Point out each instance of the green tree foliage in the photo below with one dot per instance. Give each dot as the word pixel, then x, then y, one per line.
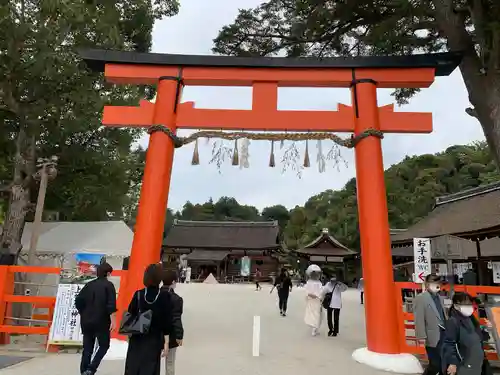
pixel 51 104
pixel 412 187
pixel 326 28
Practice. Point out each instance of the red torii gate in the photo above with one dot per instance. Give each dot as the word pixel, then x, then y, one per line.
pixel 363 75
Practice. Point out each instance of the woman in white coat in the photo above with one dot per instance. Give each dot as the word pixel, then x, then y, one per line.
pixel 333 303
pixel 314 311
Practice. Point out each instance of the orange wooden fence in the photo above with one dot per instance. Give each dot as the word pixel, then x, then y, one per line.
pixel 408 342
pixel 7 298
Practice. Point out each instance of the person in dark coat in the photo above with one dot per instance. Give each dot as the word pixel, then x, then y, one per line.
pixel 258 276
pixel 463 352
pixel 96 304
pixel 145 350
pixel 177 335
pixel 283 284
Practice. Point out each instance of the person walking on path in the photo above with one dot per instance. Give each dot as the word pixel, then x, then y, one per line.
pixel 145 350
pixel 430 322
pixel 332 302
pixel 314 314
pixel 463 352
pixel 361 288
pixel 284 286
pixel 177 335
pixel 96 304
pixel 258 276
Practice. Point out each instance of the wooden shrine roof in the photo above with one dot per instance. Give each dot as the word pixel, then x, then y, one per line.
pixel 325 245
pixel 472 212
pixel 444 63
pixel 220 235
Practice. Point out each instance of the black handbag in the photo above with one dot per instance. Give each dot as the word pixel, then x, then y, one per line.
pixel 138 323
pixel 328 298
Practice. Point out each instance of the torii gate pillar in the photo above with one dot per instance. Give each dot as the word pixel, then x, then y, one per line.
pixel 364 75
pixel 150 220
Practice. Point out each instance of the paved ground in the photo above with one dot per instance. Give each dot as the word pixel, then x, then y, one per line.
pixel 218 320
pixel 9 360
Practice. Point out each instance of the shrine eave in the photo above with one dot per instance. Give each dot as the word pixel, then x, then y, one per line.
pixel 443 63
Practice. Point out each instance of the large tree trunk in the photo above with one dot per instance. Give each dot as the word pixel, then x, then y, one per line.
pixel 19 202
pixel 481 78
pixel 484 94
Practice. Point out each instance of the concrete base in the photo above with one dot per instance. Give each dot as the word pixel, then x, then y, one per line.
pixel 398 363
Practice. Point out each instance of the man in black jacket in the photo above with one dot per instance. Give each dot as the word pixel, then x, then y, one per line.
pixel 96 304
pixel 169 283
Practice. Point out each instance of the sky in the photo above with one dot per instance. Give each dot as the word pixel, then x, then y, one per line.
pixel 192 32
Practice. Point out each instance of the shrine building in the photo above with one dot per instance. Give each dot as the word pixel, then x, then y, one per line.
pixel 220 248
pixel 328 253
pixel 464 229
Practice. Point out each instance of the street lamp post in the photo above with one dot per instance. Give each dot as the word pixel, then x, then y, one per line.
pixel 46 170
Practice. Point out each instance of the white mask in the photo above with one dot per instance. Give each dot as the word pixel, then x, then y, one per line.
pixel 466 310
pixel 434 288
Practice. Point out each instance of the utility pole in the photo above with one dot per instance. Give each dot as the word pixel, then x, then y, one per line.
pixel 46 170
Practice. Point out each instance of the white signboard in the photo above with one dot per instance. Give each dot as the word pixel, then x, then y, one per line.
pixel 65 328
pixel 496 272
pixel 317 258
pixel 422 254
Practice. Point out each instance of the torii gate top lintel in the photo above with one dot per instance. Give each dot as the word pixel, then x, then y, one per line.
pixel 265 75
pixel 412 71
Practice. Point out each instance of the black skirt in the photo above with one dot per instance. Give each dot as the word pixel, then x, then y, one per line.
pixel 144 355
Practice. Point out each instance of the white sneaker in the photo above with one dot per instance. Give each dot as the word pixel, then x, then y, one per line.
pixel 315 332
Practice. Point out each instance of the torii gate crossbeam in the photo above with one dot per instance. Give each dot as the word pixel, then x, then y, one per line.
pixel 363 75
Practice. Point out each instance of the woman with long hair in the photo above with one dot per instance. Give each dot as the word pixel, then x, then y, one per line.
pixel 463 352
pixel 284 285
pixel 145 350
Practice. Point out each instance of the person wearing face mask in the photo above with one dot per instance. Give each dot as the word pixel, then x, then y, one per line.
pixel 463 352
pixel 430 320
pixel 332 302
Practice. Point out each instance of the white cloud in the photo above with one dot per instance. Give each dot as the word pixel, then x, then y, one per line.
pixel 192 31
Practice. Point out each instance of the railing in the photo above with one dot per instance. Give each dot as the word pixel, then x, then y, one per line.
pixel 42 321
pixel 408 341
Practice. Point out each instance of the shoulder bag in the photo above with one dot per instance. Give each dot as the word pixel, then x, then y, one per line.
pixel 328 298
pixel 138 323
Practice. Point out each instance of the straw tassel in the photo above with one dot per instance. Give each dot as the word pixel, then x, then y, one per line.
pixel 196 155
pixel 236 159
pixel 307 162
pixel 272 163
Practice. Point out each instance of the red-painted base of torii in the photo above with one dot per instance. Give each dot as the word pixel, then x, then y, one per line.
pixel 362 75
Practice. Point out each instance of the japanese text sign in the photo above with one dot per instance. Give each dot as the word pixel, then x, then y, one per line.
pixel 422 254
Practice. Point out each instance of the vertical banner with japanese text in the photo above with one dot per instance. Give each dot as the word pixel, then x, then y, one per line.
pixel 422 254
pixel 65 328
pixel 245 266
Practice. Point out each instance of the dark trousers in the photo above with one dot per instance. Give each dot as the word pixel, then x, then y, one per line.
pixel 434 357
pixel 333 324
pixel 283 301
pixel 89 338
pixel 257 285
pixel 362 296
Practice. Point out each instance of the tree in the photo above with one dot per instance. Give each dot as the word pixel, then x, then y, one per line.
pixel 326 28
pixel 279 213
pixel 51 104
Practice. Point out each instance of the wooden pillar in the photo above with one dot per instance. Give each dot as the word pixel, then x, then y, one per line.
pixel 146 247
pixel 380 306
